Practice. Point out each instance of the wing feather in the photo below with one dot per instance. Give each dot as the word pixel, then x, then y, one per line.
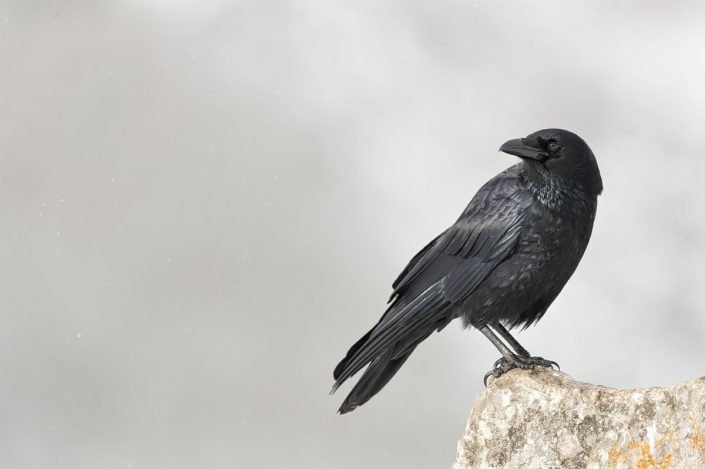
pixel 441 276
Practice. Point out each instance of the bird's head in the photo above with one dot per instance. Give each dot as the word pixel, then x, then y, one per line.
pixel 558 155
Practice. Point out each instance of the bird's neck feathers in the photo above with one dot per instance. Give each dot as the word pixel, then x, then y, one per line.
pixel 556 192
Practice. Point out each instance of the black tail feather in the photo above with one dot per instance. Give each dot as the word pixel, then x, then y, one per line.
pixel 387 346
pixel 375 377
pixel 351 353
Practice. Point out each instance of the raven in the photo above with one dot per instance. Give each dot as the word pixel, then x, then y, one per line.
pixel 499 266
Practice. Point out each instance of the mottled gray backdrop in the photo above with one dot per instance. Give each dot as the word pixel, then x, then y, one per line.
pixel 204 203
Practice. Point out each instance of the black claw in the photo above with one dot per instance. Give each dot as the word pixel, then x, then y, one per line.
pixel 500 367
pixel 494 373
pixel 505 364
pixel 533 362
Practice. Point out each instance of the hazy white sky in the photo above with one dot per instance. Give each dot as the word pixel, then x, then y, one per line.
pixel 205 203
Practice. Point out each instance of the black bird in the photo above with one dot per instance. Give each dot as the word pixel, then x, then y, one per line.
pixel 500 265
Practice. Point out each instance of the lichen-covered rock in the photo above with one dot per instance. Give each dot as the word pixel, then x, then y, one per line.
pixel 545 419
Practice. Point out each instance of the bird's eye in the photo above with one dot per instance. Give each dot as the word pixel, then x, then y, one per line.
pixel 553 146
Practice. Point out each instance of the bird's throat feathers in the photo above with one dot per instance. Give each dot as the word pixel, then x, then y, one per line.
pixel 555 191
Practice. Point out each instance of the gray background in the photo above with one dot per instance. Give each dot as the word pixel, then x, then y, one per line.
pixel 204 203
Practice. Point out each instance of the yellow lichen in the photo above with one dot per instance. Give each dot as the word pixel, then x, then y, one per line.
pixel 697 439
pixel 646 460
pixel 643 453
pixel 617 455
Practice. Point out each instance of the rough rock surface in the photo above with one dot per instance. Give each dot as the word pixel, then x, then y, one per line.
pixel 545 419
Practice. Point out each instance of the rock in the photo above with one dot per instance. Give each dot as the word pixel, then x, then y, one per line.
pixel 545 419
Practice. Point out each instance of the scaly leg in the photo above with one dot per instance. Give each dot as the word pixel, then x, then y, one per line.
pixel 517 358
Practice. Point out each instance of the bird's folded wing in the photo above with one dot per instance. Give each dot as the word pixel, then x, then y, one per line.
pixel 466 252
pixel 444 273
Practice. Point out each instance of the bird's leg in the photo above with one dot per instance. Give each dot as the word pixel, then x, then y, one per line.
pixel 528 360
pixel 510 340
pixel 517 358
pixel 508 360
pixel 524 356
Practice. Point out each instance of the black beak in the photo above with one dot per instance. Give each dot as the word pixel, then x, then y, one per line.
pixel 517 147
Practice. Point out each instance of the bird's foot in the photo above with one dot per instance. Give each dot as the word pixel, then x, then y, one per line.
pixel 505 364
pixel 500 367
pixel 534 362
